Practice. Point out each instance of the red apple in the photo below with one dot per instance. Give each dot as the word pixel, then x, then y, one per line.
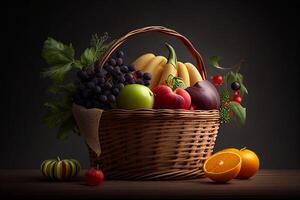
pixel 94 177
pixel 166 98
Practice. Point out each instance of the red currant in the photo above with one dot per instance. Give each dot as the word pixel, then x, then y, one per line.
pixel 235 93
pixel 237 99
pixel 218 79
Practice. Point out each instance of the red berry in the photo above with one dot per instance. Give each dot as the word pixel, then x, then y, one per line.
pixel 237 99
pixel 94 177
pixel 217 79
pixel 193 107
pixel 236 93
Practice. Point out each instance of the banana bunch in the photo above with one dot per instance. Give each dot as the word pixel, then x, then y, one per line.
pixel 160 67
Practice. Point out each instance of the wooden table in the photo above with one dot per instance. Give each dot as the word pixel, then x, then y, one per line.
pixel 266 184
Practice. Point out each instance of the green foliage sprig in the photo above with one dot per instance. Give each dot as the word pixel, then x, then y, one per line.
pixel 230 108
pixel 61 59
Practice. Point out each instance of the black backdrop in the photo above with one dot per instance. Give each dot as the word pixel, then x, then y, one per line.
pixel 265 33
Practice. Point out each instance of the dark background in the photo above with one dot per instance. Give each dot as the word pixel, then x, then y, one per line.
pixel 264 33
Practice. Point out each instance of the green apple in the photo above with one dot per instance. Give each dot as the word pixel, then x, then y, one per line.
pixel 135 96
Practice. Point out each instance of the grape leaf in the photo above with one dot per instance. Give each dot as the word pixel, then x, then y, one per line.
pixel 239 111
pixel 59 56
pixel 56 53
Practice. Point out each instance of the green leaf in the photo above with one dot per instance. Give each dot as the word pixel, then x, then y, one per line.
pixel 88 57
pixel 56 53
pixel 57 73
pixel 66 128
pixel 57 112
pixel 243 89
pixel 239 77
pixel 230 77
pixel 175 82
pixel 77 64
pixel 60 57
pixel 214 61
pixel 240 112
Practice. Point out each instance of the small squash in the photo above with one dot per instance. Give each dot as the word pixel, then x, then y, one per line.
pixel 58 169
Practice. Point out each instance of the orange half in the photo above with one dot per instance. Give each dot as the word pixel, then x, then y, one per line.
pixel 223 166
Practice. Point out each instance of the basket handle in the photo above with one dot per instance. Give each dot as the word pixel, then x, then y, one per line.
pixel 196 55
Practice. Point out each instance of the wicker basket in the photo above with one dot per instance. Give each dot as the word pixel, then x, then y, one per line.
pixel 155 144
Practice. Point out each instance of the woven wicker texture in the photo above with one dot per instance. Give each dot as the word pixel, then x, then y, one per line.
pixel 155 144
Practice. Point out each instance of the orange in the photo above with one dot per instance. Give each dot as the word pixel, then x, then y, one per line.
pixel 250 162
pixel 223 166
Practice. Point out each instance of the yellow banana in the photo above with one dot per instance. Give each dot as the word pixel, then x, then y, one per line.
pixel 193 73
pixel 156 76
pixel 151 66
pixel 183 73
pixel 143 60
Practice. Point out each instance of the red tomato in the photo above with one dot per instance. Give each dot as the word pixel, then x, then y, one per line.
pixel 94 177
pixel 218 79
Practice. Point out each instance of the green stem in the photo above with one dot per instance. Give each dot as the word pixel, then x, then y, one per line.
pixel 244 148
pixel 172 59
pixel 58 158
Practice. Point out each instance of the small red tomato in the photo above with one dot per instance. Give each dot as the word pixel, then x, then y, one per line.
pixel 94 177
pixel 236 93
pixel 218 79
pixel 237 99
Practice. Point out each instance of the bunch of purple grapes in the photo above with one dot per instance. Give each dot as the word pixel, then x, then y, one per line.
pixel 98 88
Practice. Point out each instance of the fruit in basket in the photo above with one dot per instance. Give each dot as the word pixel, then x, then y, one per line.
pixel 143 60
pixel 183 73
pixel 156 65
pixel 98 88
pixel 170 68
pixel 165 98
pixel 193 73
pixel 250 162
pixel 94 177
pixel 204 95
pixel 58 169
pixel 222 167
pixel 135 96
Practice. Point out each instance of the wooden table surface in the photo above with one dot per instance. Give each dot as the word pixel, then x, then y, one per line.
pixel 275 184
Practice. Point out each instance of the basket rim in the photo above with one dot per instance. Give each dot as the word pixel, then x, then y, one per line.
pixel 160 110
pixel 158 114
